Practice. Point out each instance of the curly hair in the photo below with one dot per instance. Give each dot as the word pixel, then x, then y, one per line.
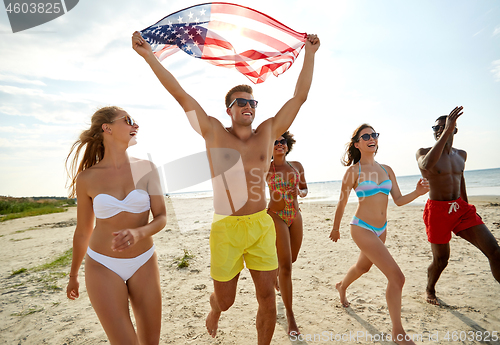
pixel 352 155
pixel 92 139
pixel 237 88
pixel 289 141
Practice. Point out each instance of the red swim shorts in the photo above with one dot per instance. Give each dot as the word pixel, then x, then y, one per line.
pixel 443 217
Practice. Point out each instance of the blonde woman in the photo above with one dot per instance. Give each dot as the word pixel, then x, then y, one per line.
pixel 372 183
pixel 120 258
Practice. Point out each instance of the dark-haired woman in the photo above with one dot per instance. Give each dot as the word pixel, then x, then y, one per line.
pixel 286 182
pixel 372 183
pixel 118 193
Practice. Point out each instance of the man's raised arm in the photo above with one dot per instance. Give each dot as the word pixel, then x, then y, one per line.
pixel 195 113
pixel 286 115
pixel 428 159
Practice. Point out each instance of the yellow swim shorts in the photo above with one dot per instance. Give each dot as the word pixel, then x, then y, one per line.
pixel 251 238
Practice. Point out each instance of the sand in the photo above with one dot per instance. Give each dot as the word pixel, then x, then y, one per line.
pixel 34 311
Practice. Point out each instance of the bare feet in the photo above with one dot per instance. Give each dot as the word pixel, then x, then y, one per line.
pixel 431 298
pixel 212 321
pixel 343 299
pixel 293 329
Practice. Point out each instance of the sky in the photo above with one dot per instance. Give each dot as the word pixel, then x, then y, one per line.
pixel 396 65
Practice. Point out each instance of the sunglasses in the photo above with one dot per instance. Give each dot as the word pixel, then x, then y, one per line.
pixel 243 101
pixel 282 142
pixel 128 119
pixel 437 128
pixel 367 136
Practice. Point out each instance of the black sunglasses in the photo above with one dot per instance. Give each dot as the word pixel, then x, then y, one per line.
pixel 437 128
pixel 282 142
pixel 243 101
pixel 367 136
pixel 128 119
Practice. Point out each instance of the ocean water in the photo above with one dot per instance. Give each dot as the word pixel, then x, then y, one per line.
pixel 478 182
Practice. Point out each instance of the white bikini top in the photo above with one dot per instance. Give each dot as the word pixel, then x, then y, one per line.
pixel 107 206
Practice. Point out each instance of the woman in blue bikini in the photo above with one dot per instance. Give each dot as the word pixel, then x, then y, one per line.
pixel 372 183
pixel 118 193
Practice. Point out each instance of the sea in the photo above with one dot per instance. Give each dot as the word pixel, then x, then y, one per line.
pixel 478 182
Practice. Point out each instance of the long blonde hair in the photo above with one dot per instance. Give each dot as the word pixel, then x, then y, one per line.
pixel 93 140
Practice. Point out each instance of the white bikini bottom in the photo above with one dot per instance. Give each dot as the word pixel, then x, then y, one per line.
pixel 125 268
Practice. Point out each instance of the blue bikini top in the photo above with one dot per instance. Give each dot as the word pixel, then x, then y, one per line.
pixel 107 206
pixel 369 188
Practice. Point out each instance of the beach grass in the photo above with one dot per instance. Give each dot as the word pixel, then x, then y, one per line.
pixel 19 271
pixel 61 261
pixel 29 311
pixel 46 276
pixel 184 261
pixel 20 239
pixel 12 208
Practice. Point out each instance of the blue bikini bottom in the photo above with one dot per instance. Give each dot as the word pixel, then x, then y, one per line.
pixel 358 222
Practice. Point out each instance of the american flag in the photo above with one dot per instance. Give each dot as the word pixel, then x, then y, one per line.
pixel 202 31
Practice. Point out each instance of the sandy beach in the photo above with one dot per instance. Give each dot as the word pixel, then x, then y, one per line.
pixel 34 308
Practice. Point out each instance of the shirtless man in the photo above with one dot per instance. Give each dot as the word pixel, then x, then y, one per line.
pixel 239 158
pixel 447 209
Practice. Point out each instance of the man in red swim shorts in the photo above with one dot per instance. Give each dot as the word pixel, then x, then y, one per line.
pixel 447 209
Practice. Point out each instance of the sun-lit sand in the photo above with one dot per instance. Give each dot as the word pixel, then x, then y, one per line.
pixel 32 311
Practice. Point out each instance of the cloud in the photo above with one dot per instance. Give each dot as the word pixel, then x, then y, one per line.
pixel 14 90
pixel 44 106
pixel 19 80
pixel 37 130
pixel 496 70
pixel 35 144
pixel 496 31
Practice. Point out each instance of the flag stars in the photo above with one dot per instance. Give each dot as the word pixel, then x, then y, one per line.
pixel 202 12
pixel 179 19
pixel 190 15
